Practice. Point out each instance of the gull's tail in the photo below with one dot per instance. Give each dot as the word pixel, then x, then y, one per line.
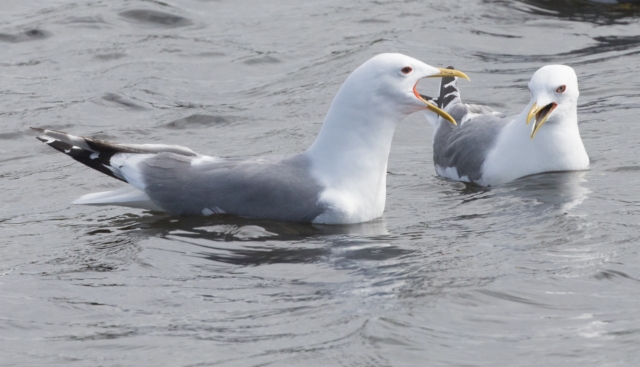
pixel 105 156
pixel 449 93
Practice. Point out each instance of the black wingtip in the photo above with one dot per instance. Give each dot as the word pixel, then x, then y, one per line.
pixel 101 162
pixel 424 96
pixel 446 90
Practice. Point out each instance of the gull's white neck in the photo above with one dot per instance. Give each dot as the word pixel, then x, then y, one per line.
pixel 349 156
pixel 556 147
pixel 353 139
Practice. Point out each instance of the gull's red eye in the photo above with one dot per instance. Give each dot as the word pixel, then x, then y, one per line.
pixel 406 70
pixel 561 89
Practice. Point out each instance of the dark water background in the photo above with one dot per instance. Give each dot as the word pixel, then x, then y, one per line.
pixel 544 271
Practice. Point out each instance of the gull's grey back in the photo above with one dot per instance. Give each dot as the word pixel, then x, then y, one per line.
pixel 279 189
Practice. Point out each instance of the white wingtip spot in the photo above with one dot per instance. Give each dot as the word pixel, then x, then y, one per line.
pixel 212 210
pixel 48 139
pixel 451 84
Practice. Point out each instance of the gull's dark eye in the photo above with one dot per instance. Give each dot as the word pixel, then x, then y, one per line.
pixel 406 70
pixel 561 89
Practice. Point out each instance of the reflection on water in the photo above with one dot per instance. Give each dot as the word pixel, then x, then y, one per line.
pixel 249 241
pixel 512 212
pixel 233 228
pixel 339 250
pixel 531 197
pixel 557 190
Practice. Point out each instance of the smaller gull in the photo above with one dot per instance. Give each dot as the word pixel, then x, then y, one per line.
pixel 341 178
pixel 487 148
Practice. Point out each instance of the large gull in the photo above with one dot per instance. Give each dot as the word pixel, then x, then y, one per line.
pixel 489 148
pixel 341 178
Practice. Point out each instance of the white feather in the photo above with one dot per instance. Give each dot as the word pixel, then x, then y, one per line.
pixel 126 196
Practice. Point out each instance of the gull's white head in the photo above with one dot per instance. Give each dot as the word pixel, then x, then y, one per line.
pixel 389 81
pixel 554 94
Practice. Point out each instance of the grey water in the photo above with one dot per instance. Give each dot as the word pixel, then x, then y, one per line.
pixel 541 271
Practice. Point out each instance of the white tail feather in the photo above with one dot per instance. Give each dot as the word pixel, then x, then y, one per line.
pixel 127 196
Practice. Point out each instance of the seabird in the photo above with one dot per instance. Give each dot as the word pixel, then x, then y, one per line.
pixel 340 179
pixel 488 148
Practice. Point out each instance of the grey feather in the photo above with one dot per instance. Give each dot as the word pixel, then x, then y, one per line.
pixel 279 189
pixel 466 145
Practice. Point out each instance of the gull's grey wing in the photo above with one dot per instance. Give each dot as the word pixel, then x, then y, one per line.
pixel 279 189
pixel 466 145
